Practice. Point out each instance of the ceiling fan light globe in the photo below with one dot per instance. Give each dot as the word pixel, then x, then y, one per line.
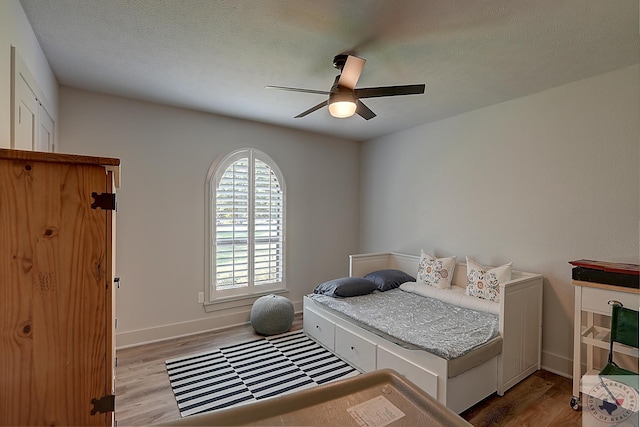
pixel 342 109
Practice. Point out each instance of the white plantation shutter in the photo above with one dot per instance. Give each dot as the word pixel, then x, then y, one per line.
pixel 247 225
pixel 232 227
pixel 268 233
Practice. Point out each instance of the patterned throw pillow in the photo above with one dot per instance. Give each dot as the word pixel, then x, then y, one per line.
pixel 484 282
pixel 436 272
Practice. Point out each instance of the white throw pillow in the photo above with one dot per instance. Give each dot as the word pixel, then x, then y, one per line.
pixel 436 272
pixel 484 282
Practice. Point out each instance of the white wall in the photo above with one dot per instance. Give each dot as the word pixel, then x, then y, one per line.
pixel 166 154
pixel 15 30
pixel 539 181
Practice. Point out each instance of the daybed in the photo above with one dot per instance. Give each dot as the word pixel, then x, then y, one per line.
pixel 457 382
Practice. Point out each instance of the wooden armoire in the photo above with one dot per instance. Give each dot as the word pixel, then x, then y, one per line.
pixel 57 347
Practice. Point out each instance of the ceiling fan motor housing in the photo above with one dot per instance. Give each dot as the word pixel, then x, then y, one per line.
pixel 341 93
pixel 340 60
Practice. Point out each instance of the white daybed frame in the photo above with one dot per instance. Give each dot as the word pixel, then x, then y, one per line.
pixel 520 325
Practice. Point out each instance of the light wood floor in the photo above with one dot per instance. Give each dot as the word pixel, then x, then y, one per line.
pixel 144 397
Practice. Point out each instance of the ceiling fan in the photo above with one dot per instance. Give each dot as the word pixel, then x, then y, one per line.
pixel 344 98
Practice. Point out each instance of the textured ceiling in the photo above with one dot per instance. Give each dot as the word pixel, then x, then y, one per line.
pixel 217 56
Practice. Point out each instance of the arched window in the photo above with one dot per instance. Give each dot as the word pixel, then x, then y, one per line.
pixel 246 226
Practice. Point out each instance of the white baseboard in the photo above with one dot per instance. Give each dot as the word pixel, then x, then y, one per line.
pixel 562 374
pixel 557 364
pixel 176 330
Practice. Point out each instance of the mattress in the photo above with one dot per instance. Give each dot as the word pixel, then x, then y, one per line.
pixel 417 322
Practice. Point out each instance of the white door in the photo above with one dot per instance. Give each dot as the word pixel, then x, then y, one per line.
pixel 33 125
pixel 45 134
pixel 25 116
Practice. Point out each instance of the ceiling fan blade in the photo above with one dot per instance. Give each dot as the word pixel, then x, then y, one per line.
pixel 312 109
pixel 351 71
pixel 374 92
pixel 364 111
pixel 295 89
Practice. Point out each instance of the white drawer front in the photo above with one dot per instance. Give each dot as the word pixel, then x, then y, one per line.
pixel 424 379
pixel 356 350
pixel 319 328
pixel 596 300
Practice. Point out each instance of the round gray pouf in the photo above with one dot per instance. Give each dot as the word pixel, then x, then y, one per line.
pixel 272 314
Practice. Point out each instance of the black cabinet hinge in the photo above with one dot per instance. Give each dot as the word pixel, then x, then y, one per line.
pixel 104 404
pixel 105 201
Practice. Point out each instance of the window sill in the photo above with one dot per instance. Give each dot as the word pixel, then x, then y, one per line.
pixel 238 301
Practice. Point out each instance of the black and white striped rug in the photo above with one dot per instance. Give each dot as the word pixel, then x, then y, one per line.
pixel 252 371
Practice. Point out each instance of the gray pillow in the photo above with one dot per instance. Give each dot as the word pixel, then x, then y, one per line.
pixel 346 287
pixel 389 278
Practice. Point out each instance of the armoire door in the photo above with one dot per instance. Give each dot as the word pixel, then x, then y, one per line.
pixel 55 294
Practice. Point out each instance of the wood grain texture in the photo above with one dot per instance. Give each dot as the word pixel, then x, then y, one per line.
pixel 60 158
pixel 53 304
pixel 144 396
pixel 542 399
